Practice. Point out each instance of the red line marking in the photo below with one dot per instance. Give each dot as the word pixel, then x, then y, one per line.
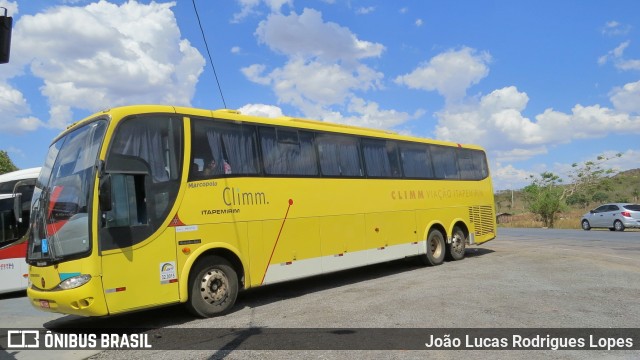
pixel 277 239
pixel 14 251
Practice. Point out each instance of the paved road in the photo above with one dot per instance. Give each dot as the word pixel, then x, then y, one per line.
pixel 526 278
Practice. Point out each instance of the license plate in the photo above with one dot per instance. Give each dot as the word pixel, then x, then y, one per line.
pixel 44 304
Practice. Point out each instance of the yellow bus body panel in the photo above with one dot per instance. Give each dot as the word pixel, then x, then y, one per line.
pixel 132 276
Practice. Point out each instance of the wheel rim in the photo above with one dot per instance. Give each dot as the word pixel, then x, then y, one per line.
pixel 585 225
pixel 435 246
pixel 617 225
pixel 457 243
pixel 214 286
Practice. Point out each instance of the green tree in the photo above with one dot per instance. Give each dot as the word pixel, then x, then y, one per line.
pixel 6 165
pixel 579 199
pixel 600 197
pixel 544 197
pixel 589 177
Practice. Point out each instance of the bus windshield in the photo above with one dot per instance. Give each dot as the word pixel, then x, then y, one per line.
pixel 59 207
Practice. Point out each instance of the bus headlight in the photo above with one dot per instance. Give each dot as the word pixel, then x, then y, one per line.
pixel 74 282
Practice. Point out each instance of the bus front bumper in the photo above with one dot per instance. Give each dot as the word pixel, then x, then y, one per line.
pixel 85 300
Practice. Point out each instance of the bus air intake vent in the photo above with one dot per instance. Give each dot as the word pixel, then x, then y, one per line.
pixel 482 217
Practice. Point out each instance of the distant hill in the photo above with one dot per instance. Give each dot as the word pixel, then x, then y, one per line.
pixel 632 173
pixel 621 187
pixel 625 187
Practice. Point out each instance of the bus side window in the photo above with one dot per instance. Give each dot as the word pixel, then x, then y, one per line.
pixel 472 164
pixel 129 206
pixel 480 162
pixel 339 155
pixel 416 162
pixel 288 152
pixel 232 146
pixel 444 162
pixel 381 158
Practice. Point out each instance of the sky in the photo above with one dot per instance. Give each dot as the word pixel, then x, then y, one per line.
pixel 539 84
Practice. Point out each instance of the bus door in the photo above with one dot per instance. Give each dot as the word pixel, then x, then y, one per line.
pixel 138 189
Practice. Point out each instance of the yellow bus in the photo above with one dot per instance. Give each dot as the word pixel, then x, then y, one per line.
pixel 150 205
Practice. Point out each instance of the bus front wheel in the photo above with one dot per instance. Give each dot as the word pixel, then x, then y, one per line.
pixel 435 248
pixel 213 287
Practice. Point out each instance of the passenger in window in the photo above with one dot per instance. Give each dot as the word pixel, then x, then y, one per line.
pixel 194 170
pixel 227 167
pixel 211 168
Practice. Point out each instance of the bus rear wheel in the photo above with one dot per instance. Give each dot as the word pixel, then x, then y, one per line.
pixel 455 250
pixel 435 248
pixel 213 287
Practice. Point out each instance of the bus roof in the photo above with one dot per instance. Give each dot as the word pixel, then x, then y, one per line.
pixel 235 115
pixel 30 173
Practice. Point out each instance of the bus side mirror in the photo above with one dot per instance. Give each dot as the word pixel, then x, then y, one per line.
pixel 5 37
pixel 17 207
pixel 104 195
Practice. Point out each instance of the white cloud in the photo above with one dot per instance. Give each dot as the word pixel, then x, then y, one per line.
pixel 235 50
pixel 263 110
pixel 613 54
pixel 419 22
pixel 15 111
pixel 619 61
pixel 248 7
pixel 323 74
pixel 317 88
pixel 104 55
pixel 255 73
pixel 368 114
pixel 627 98
pixel 307 35
pixel 518 154
pixel 450 73
pixel 630 159
pixel 614 28
pixel 496 122
pixel 631 64
pixel 304 84
pixel 506 176
pixel 509 177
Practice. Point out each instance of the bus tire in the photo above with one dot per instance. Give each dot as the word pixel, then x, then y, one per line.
pixel 435 248
pixel 455 250
pixel 213 287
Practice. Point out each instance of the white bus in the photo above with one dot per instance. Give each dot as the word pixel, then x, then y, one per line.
pixel 16 190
